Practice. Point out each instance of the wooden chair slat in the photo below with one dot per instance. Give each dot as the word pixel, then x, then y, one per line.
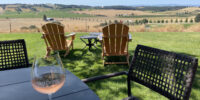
pixel 62 37
pixel 124 42
pixel 112 31
pixel 55 36
pixel 106 41
pixel 48 38
pixel 63 41
pixel 118 38
pixel 51 34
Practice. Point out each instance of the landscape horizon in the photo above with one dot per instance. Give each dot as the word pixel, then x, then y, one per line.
pixel 134 5
pixel 168 26
pixel 82 18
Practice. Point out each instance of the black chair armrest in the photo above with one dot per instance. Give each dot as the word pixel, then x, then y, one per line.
pixel 95 78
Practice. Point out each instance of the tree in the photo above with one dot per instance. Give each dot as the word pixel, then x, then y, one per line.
pixel 150 21
pixel 197 18
pixel 80 9
pixel 191 20
pixel 176 21
pixel 44 17
pixel 163 21
pixel 158 21
pixel 140 21
pixel 181 21
pixel 186 20
pixel 171 20
pixel 136 22
pixel 144 21
pixel 18 10
pixel 3 6
pixel 116 21
pixel 166 21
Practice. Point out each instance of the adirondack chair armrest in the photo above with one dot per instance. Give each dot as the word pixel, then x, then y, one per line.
pixel 72 35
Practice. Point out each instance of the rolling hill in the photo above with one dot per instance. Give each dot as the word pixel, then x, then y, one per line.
pixel 66 11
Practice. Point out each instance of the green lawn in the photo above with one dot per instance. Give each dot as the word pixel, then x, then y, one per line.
pixel 87 64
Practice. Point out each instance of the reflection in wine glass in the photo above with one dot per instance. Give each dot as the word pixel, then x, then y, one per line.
pixel 48 74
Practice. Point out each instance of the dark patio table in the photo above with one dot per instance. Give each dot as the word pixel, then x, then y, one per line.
pixel 16 85
pixel 100 36
pixel 89 38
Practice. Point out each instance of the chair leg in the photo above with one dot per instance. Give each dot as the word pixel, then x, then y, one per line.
pixel 66 53
pixel 48 51
pixel 127 59
pixel 103 60
pixel 72 45
pixel 129 86
pixel 102 56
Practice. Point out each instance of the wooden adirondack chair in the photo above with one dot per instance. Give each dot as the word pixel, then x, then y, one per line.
pixel 55 39
pixel 115 42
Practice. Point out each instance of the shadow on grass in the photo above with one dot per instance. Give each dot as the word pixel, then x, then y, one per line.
pixel 196 85
pixel 84 64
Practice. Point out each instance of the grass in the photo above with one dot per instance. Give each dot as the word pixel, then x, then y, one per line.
pixel 87 64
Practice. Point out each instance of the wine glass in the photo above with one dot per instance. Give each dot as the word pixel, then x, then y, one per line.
pixel 48 74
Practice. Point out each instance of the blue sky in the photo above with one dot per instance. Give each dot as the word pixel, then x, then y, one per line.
pixel 105 2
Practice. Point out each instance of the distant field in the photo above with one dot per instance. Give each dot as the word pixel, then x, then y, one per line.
pixel 190 10
pixel 37 12
pixel 50 13
pixel 185 12
pixel 112 13
pixel 30 19
pixel 92 24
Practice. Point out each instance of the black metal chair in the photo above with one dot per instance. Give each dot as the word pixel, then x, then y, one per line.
pixel 13 54
pixel 167 73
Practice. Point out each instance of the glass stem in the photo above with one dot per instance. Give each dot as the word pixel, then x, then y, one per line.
pixel 49 95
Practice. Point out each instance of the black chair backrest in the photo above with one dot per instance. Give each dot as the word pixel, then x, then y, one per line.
pixel 167 73
pixel 13 54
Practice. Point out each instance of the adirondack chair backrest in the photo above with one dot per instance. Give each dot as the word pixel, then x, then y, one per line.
pixel 54 36
pixel 167 73
pixel 115 39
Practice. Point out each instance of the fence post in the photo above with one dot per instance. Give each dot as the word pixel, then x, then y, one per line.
pixel 86 26
pixel 10 27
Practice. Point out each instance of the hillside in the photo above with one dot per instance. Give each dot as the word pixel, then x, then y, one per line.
pixel 68 11
pixel 113 13
pixel 44 7
pixel 25 7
